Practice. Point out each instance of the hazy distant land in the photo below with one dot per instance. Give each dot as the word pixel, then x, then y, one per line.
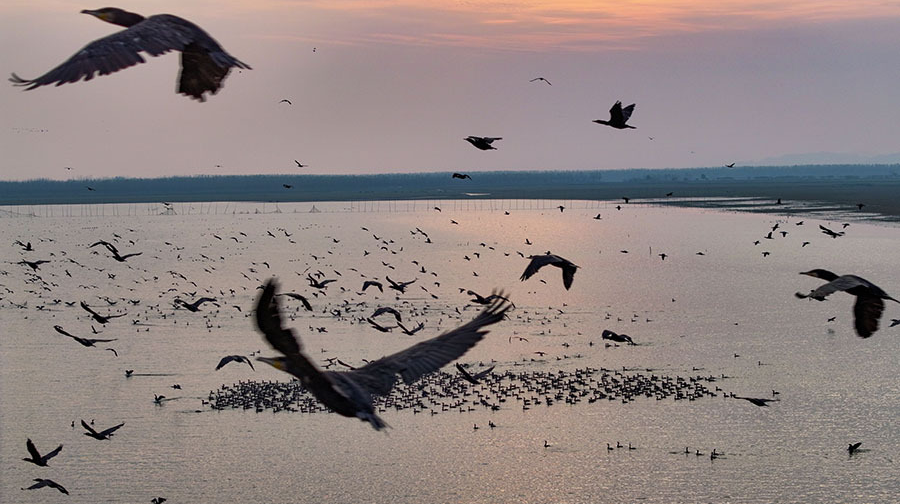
pixel 876 186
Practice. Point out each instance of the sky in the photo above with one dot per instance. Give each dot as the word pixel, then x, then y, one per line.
pixel 395 86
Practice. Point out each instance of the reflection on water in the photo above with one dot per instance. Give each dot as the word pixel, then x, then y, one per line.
pixel 716 316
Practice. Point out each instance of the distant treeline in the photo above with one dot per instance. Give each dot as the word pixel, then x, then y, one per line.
pixel 598 184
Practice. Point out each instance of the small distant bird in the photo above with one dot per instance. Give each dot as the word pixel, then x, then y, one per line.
pixel 541 79
pixel 894 322
pixel 35 456
pixel 299 165
pixel 730 165
pixel 756 400
pixel 195 306
pixel 618 338
pixel 831 233
pixel 43 482
pixel 89 188
pixel 869 298
pixel 387 309
pixel 413 331
pixel 104 434
pixel 285 100
pixel 115 252
pixel 461 176
pixel 474 379
pixel 618 116
pixel 35 265
pixel 851 448
pixel 483 143
pixel 204 64
pixel 100 318
pixel 287 186
pixel 399 286
pixel 539 261
pixel 372 283
pixel 860 206
pixel 234 358
pixel 88 342
pixel 158 500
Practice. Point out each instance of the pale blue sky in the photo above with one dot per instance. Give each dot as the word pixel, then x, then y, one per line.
pixel 395 86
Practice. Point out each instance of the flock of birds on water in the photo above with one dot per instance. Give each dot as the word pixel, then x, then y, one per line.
pixel 410 379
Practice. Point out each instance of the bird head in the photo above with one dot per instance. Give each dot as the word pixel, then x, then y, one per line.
pixel 279 363
pixel 115 16
pixel 820 273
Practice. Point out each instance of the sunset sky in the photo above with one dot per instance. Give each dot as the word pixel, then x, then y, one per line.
pixel 395 86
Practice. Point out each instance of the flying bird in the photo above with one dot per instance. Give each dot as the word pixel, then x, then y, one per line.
pixel 469 377
pixel 36 457
pixel 43 482
pixel 831 233
pixel 104 434
pixel 100 318
pixel 372 283
pixel 387 309
pixel 349 393
pixel 115 252
pixel 300 165
pixel 757 400
pixel 235 358
pixel 88 342
pixel 869 298
pixel 483 143
pixel 618 116
pixel 285 100
pixel 539 261
pixel 35 265
pixel 399 286
pixel 852 447
pixel 461 176
pixel 541 79
pixel 300 298
pixel 195 306
pixel 204 64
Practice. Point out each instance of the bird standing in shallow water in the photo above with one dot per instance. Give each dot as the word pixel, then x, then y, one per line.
pixel 869 298
pixel 204 64
pixel 349 393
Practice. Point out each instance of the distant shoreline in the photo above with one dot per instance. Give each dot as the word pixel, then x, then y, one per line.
pixel 877 190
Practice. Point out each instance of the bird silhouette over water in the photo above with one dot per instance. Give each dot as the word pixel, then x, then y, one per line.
pixel 539 261
pixel 204 64
pixel 483 143
pixel 461 176
pixel 100 318
pixel 473 378
pixel 115 252
pixel 618 338
pixel 36 457
pixel 349 393
pixel 88 342
pixel 43 482
pixel 195 306
pixel 618 116
pixel 756 400
pixel 869 298
pixel 104 434
pixel 234 358
pixel 852 447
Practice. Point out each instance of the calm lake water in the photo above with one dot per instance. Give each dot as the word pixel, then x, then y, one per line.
pixel 716 306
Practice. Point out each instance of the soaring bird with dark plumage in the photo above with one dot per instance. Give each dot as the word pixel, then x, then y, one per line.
pixel 204 64
pixel 43 482
pixel 195 306
pixel 539 261
pixel 88 342
pixel 618 116
pixel 869 298
pixel 349 393
pixel 104 434
pixel 96 316
pixel 36 457
pixel 482 143
pixel 234 358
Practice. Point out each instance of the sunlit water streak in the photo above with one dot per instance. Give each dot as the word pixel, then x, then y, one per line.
pixel 834 388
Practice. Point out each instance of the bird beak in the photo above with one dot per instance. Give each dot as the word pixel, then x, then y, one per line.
pixel 275 363
pixel 807 273
pixel 96 14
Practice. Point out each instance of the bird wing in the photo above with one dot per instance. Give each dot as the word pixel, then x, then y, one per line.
pixel 52 454
pixel 465 374
pixel 568 271
pixel 155 35
pixel 89 428
pixel 626 112
pixel 32 450
pixel 866 312
pixel 112 429
pixel 615 113
pixel 88 309
pixel 268 319
pixel 538 262
pixel 841 283
pixel 62 331
pixel 100 340
pixel 378 377
pixel 482 374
